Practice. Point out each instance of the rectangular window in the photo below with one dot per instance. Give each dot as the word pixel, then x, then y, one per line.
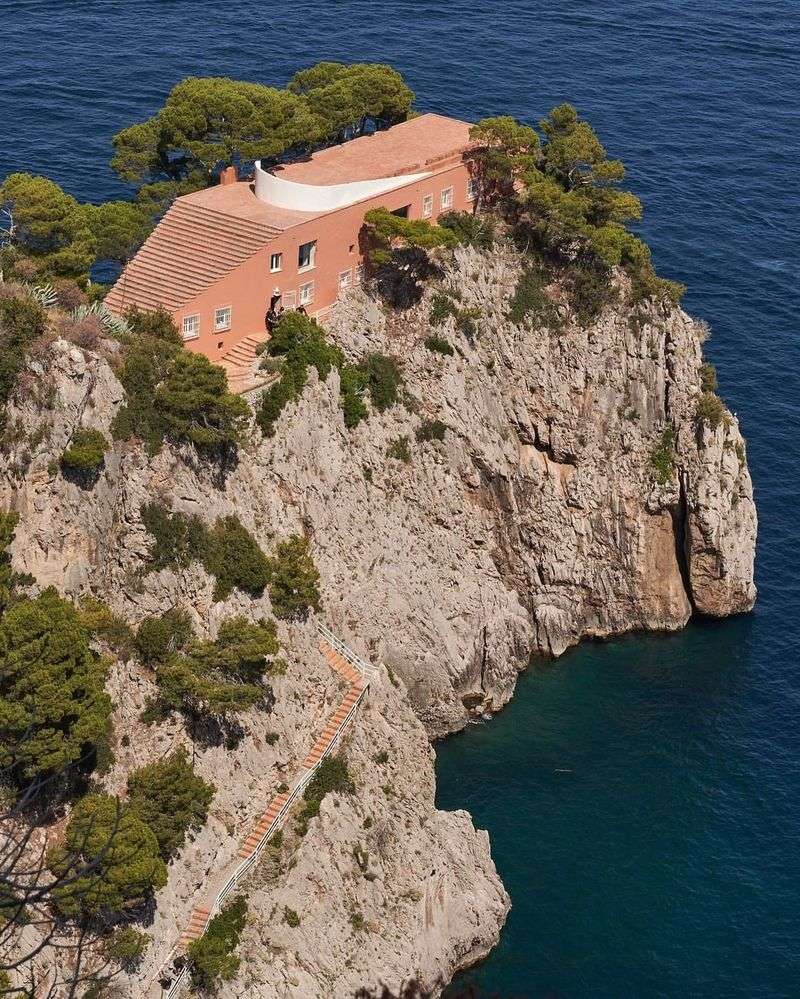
pixel 191 327
pixel 472 189
pixel 447 198
pixel 289 299
pixel 275 262
pixel 306 293
pixel 306 256
pixel 222 319
pixel 345 277
pixel 427 206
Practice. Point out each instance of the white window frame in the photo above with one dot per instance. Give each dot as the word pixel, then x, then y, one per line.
pixel 227 325
pixel 345 279
pixel 305 294
pixel 194 324
pixel 427 206
pixel 359 275
pixel 472 188
pixel 272 257
pixel 302 268
pixel 289 299
pixel 446 197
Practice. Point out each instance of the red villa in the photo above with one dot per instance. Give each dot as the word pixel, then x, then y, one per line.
pixel 219 255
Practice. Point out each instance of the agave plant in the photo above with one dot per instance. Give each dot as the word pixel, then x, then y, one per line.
pixel 44 294
pixel 114 325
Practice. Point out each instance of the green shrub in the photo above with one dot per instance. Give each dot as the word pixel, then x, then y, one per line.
pixel 9 580
pixel 530 299
pixel 383 380
pixel 399 449
pixel 147 352
pixel 54 711
pixel 382 757
pixel 439 345
pixel 708 377
pixel 127 945
pixel 431 430
pixel 442 306
pixel 179 538
pixel 160 637
pixel 662 459
pixel 233 556
pixel 171 799
pixel 352 381
pixel 469 229
pixel 197 407
pixel 109 628
pixel 290 917
pixel 223 676
pixel 710 410
pixel 228 551
pixel 212 958
pixel 85 454
pixel 22 320
pixel 357 921
pixel 118 854
pixel 332 776
pixel 294 580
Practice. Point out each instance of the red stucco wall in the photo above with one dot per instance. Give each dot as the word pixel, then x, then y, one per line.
pixel 247 289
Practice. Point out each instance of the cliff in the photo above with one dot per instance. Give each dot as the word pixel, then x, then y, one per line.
pixel 537 521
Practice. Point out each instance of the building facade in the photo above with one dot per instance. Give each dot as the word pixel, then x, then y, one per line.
pixel 220 255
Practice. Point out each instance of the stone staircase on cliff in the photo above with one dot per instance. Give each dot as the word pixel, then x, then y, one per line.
pixel 358 674
pixel 241 365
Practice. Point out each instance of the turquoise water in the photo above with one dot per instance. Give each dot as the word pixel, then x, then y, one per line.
pixel 642 795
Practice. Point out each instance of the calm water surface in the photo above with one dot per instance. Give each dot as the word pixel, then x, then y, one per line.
pixel 642 796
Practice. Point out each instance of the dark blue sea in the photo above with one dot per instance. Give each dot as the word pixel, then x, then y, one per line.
pixel 642 796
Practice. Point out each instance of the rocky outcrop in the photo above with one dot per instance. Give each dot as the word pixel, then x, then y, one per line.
pixel 536 522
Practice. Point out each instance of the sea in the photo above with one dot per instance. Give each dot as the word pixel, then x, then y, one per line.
pixel 642 795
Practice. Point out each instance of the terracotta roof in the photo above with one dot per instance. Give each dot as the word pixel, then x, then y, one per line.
pixel 410 147
pixel 192 247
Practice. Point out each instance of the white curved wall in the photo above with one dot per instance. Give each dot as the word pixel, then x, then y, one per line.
pixel 316 198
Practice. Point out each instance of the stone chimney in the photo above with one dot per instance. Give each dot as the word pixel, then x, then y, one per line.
pixel 229 175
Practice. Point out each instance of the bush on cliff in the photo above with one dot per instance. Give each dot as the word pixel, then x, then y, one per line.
pixel 662 459
pixel 197 407
pixel 171 799
pixel 110 859
pixel 300 343
pixel 294 580
pixel 227 551
pixel 710 410
pixel 9 580
pixel 212 958
pixel 221 677
pixel 159 638
pixel 233 556
pixel 85 454
pixel 332 775
pixel 54 711
pixel 22 320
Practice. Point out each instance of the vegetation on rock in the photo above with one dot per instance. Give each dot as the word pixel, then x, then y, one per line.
pixel 662 459
pixel 114 856
pixel 85 453
pixel 171 799
pixel 212 958
pixel 332 775
pixel 54 712
pixel 127 945
pixel 294 580
pixel 710 410
pixel 160 637
pixel 22 320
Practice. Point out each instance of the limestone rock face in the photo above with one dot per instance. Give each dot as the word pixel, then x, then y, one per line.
pixel 539 520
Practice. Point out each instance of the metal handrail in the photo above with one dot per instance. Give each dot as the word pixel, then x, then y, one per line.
pixel 369 673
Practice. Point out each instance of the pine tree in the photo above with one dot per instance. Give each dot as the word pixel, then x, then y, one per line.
pixel 54 711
